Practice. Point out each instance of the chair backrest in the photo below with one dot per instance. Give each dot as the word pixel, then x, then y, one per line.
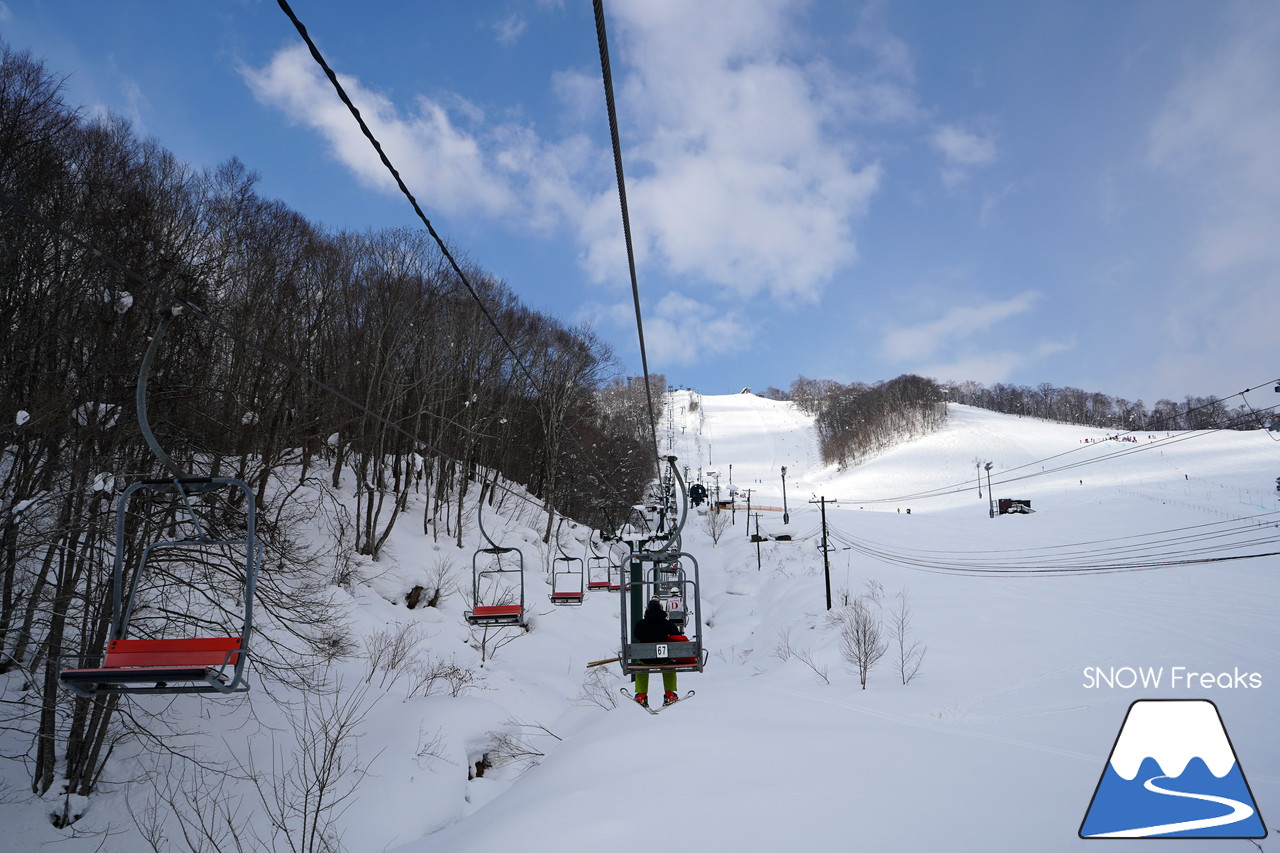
pixel 199 651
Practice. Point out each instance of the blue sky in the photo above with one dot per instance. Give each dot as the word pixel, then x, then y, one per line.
pixel 1081 193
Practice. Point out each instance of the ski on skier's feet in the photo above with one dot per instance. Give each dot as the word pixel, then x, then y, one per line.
pixel 655 711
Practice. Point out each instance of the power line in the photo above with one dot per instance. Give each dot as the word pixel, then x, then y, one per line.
pixel 1139 556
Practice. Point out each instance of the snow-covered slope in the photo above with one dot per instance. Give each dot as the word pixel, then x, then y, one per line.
pixel 997 743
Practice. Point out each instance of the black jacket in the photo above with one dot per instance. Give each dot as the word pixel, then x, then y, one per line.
pixel 655 627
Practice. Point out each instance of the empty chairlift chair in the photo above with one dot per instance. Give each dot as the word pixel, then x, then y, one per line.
pixel 568 576
pixel 194 662
pixel 597 569
pixel 500 610
pixel 180 586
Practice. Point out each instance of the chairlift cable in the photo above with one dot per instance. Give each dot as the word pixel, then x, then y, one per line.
pixel 607 76
pixel 417 209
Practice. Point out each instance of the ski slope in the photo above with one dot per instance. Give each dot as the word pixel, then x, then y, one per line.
pixel 997 744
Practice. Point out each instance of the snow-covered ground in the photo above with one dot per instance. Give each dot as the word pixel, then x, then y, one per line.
pixel 998 742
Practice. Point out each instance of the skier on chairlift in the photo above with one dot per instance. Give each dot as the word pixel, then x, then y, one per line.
pixel 655 627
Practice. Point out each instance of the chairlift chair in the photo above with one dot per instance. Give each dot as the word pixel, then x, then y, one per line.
pixel 567 582
pixel 198 664
pixel 597 572
pixel 168 665
pixel 500 612
pixel 597 567
pixel 681 589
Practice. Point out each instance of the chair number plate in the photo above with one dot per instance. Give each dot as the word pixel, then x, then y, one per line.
pixel 662 650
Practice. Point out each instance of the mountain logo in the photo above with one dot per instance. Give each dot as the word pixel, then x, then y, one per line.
pixel 1172 773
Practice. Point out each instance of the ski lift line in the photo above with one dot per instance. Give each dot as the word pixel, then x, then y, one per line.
pixel 1258 416
pixel 175 300
pixel 1123 451
pixel 417 209
pixel 607 77
pixel 1048 552
pixel 1090 557
pixel 961 488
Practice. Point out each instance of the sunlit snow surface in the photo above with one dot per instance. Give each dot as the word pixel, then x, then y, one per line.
pixel 996 745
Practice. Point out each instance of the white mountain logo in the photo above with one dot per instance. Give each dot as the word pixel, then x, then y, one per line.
pixel 1172 774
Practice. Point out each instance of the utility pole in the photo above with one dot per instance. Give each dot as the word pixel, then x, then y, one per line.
pixel 991 499
pixel 978 465
pixel 748 493
pixel 786 517
pixel 757 541
pixel 826 562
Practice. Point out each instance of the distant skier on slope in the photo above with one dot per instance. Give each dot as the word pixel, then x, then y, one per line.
pixel 655 627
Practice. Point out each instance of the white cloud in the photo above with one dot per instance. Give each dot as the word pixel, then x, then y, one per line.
pixel 962 151
pixel 741 179
pixel 510 28
pixel 1215 138
pixel 5 14
pixel 957 326
pixel 993 366
pixel 445 166
pixel 678 329
pixel 744 169
pixel 1217 135
pixel 581 95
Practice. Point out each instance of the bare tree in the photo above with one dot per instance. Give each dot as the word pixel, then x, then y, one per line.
pixel 514 745
pixel 862 641
pixel 306 790
pixel 437 676
pixel 598 688
pixel 910 653
pixel 389 651
pixel 715 523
